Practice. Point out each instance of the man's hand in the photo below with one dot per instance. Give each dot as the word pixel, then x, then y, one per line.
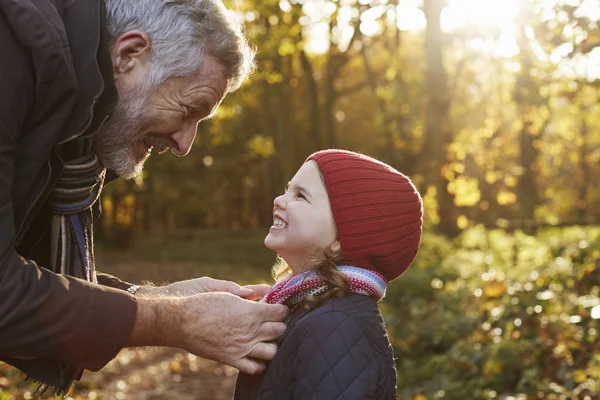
pixel 217 326
pixel 205 284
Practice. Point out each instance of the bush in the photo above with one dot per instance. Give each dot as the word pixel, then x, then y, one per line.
pixel 497 314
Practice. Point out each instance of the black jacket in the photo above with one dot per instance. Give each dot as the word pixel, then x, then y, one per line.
pixel 56 86
pixel 338 351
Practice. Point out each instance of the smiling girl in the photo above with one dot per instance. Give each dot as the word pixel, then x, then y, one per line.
pixel 347 225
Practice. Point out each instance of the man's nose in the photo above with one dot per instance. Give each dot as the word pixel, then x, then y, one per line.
pixel 184 139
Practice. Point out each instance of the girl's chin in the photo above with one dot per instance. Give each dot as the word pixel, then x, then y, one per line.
pixel 269 243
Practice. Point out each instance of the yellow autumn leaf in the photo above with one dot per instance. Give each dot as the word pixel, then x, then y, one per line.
pixel 510 181
pixel 506 198
pixel 273 78
pixel 466 191
pixel 492 367
pixel 286 47
pixel 175 366
pixel 262 146
pixel 494 289
pixel 491 177
pixel 579 376
pixel 390 74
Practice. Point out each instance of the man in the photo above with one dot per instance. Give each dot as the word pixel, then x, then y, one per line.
pixel 87 90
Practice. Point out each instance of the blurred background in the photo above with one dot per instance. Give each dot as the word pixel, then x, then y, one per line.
pixel 490 106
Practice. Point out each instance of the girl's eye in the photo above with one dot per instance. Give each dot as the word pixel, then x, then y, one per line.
pixel 300 195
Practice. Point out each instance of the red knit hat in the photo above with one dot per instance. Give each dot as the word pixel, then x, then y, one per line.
pixel 377 211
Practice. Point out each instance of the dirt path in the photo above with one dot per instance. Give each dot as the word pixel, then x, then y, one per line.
pixel 158 373
pixel 144 374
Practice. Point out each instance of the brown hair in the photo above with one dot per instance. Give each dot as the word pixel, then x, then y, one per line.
pixel 326 268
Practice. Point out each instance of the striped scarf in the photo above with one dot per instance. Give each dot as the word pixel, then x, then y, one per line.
pixel 72 246
pixel 292 290
pixel 72 199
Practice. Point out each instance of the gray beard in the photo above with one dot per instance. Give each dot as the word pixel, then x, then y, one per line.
pixel 115 142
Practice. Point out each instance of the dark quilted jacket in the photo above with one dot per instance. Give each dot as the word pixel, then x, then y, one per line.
pixel 338 351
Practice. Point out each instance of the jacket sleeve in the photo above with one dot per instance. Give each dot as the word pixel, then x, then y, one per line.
pixel 112 281
pixel 334 360
pixel 43 314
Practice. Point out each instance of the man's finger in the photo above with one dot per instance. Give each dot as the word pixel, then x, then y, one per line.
pixel 258 291
pixel 270 331
pixel 249 365
pixel 236 289
pixel 263 351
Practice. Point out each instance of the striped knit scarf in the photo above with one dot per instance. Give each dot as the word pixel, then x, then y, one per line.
pixel 292 290
pixel 72 199
pixel 72 247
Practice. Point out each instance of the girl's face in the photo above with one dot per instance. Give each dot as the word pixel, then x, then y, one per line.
pixel 303 223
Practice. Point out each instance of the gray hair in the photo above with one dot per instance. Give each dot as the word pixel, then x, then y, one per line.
pixel 181 32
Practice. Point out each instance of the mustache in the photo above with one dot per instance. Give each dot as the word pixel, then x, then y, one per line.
pixel 160 143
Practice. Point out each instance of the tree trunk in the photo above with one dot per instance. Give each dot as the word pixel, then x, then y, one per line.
pixel 526 94
pixel 437 133
pixel 528 198
pixel 383 109
pixel 586 173
pixel 312 96
pixel 330 97
pixel 279 105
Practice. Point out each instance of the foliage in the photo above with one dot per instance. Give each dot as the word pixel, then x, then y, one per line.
pixel 496 314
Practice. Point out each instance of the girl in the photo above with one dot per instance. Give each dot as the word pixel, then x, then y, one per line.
pixel 347 225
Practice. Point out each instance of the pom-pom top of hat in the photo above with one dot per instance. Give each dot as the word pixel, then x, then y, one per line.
pixel 377 210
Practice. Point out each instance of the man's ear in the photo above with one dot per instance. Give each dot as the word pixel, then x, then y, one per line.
pixel 336 247
pixel 130 50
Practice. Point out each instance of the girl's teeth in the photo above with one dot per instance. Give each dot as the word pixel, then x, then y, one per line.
pixel 279 224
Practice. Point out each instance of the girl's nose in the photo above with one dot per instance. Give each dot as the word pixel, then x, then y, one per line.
pixel 279 201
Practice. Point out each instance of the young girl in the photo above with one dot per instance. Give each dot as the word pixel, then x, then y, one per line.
pixel 346 226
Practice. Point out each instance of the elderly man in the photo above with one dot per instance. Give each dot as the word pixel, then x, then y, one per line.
pixel 88 89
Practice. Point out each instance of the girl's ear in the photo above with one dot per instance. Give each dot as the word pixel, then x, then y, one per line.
pixel 336 247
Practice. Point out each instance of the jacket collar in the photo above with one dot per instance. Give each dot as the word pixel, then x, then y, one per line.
pixel 92 64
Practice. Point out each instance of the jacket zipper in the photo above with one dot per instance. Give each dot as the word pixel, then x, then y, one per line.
pixel 85 126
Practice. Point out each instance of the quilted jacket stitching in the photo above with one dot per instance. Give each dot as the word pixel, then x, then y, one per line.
pixel 344 332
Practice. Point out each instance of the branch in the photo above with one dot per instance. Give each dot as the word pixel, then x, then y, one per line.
pixel 587 47
pixel 368 70
pixel 544 126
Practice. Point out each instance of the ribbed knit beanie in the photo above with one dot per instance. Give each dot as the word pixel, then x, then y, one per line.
pixel 377 211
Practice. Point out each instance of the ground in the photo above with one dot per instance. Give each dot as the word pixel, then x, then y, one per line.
pixel 145 374
pixel 159 373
